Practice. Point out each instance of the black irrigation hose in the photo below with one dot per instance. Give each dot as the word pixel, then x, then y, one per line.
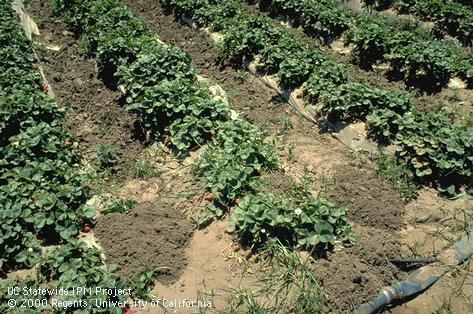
pixel 422 278
pixel 402 261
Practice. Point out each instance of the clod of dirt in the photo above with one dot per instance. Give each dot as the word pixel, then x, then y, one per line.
pixel 372 202
pixel 277 183
pixel 152 236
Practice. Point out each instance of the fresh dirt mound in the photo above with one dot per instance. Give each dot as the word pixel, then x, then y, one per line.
pixel 356 274
pixel 372 202
pixel 152 236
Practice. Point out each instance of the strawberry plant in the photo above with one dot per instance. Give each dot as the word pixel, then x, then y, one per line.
pixel 160 63
pixel 24 283
pixel 22 108
pixel 324 18
pixel 186 7
pixel 218 16
pixel 404 6
pixel 143 285
pixel 424 64
pixel 41 188
pixel 464 69
pixel 107 156
pixel 436 150
pixel 232 163
pixel 325 79
pixel 75 264
pixel 456 20
pixel 117 35
pixel 291 8
pixel 248 35
pixel 78 14
pixel 16 56
pixel 354 101
pixel 451 17
pixel 427 9
pixel 297 67
pixel 295 220
pixel 182 109
pixel 15 78
pixel 383 124
pixel 271 56
pixel 120 206
pixel 369 35
pixel 378 4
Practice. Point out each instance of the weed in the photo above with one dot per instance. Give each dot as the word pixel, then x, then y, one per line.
pixel 286 126
pixel 241 75
pixel 104 124
pixel 291 149
pixel 358 160
pixel 416 248
pixel 287 285
pixel 324 186
pixel 468 121
pixel 142 285
pixel 107 156
pixel 401 178
pixel 445 307
pixel 143 169
pixel 462 220
pixel 40 48
pixel 120 206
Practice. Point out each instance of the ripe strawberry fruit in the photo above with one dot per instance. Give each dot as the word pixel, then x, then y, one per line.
pixel 86 229
pixel 208 197
pixel 127 311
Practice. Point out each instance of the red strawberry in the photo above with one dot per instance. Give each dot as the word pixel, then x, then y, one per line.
pixel 45 88
pixel 86 229
pixel 128 311
pixel 208 197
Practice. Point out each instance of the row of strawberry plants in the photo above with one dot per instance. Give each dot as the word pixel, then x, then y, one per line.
pixel 162 91
pixel 42 191
pixel 391 116
pixel 415 57
pixel 453 18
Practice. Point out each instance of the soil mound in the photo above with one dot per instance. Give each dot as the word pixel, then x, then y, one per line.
pixel 152 236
